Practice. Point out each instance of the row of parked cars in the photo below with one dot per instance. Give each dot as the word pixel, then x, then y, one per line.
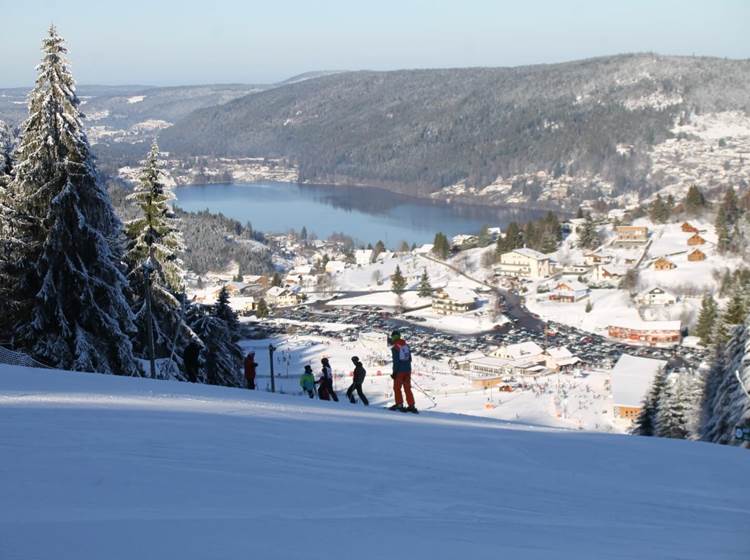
pixel 590 348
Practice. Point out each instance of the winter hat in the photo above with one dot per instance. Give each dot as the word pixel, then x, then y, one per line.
pixel 355 359
pixel 308 369
pixel 395 335
pixel 324 361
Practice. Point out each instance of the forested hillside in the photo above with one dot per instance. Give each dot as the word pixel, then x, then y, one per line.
pixel 422 130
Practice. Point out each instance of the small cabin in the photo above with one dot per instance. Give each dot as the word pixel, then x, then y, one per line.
pixel 687 227
pixel 696 239
pixel 696 256
pixel 663 263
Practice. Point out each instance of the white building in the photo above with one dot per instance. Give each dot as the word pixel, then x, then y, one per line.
pixel 656 296
pixel 450 300
pixel 569 291
pixel 560 358
pixel 282 297
pixel 632 377
pixel 333 267
pixel 522 350
pixel 363 257
pixel 243 305
pixel 523 263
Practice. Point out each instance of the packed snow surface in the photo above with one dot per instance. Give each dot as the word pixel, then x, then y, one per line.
pixel 97 467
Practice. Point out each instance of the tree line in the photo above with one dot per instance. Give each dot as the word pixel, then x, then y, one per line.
pixel 79 289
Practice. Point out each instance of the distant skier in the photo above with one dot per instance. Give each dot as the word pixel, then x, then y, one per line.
pixel 307 382
pixel 326 379
pixel 401 354
pixel 359 378
pixel 250 369
pixel 190 361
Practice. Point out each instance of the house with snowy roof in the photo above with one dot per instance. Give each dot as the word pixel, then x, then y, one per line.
pixel 363 257
pixel 523 263
pixel 450 300
pixel 656 296
pixel 632 378
pixel 568 291
pixel 560 358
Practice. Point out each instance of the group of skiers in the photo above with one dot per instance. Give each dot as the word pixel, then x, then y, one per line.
pixel 323 386
pixel 401 356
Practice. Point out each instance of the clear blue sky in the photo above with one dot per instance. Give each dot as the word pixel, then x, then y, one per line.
pixel 169 42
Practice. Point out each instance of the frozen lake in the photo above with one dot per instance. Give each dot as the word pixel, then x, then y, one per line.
pixel 366 214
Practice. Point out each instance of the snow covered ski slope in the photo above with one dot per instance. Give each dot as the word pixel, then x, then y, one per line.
pixel 102 467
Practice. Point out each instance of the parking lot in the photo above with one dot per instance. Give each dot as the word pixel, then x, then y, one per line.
pixel 593 350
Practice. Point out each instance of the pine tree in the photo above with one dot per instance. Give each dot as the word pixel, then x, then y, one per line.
pixel 695 202
pixel 588 236
pixel 425 288
pixel 645 423
pixel 736 310
pixel 731 206
pixel 671 411
pixel 155 236
pixel 659 210
pixel 726 405
pixel 240 276
pixel 261 311
pixel 398 282
pixel 706 320
pixel 224 311
pixel 379 248
pixel 303 234
pixel 722 230
pixel 276 279
pixel 222 356
pixel 441 246
pixel 61 264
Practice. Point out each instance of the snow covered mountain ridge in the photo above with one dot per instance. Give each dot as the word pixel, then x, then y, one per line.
pixel 206 472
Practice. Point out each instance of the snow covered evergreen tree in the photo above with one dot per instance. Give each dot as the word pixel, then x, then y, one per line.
pixel 726 405
pixel 425 288
pixel 155 235
pixel 706 319
pixel 222 357
pixel 646 422
pixel 61 264
pixel 671 418
pixel 224 311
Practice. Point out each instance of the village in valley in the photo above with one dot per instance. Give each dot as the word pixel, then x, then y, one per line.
pixel 572 337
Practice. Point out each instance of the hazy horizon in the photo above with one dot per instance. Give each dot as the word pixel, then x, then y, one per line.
pixel 183 43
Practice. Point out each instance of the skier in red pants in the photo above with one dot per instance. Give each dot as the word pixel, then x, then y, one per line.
pixel 401 355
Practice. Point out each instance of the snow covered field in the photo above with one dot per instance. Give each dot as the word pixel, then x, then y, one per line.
pixel 119 468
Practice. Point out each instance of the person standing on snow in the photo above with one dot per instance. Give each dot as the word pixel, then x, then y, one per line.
pixel 326 379
pixel 307 382
pixel 401 355
pixel 250 369
pixel 359 378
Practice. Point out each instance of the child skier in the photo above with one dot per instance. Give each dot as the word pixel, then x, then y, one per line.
pixel 359 378
pixel 307 382
pixel 326 379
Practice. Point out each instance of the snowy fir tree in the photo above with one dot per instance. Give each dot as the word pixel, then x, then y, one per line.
pixel 645 423
pixel 425 288
pixel 398 282
pixel 224 311
pixel 221 356
pixel 726 404
pixel 156 232
pixel 61 265
pixel 706 319
pixel 671 419
pixel 155 236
